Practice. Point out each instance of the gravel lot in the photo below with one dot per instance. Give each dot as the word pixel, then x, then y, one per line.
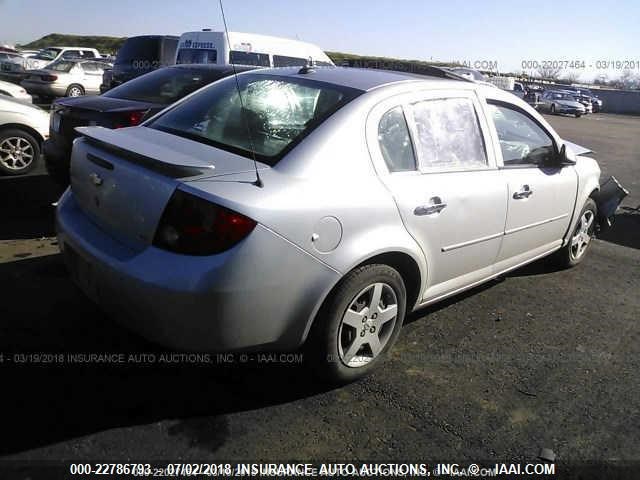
pixel 541 358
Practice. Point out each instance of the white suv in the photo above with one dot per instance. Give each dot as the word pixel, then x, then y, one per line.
pixel 51 54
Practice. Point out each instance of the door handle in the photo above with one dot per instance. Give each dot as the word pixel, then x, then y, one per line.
pixel 436 206
pixel 525 192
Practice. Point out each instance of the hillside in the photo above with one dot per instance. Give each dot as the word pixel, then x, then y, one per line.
pixel 102 44
pixel 385 63
pixel 112 44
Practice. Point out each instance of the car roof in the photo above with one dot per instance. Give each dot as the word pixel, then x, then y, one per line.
pixel 205 66
pixel 83 60
pixel 364 79
pixel 70 48
pixel 174 37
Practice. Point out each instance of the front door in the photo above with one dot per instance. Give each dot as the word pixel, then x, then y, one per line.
pixel 540 196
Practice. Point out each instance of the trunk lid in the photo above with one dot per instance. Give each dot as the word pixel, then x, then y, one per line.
pixel 99 103
pixel 123 179
pixel 95 111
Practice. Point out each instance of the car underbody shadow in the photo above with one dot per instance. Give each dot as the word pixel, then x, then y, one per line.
pixel 539 267
pixel 25 206
pixel 53 391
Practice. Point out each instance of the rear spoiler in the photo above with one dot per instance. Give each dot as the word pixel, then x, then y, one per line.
pixel 99 138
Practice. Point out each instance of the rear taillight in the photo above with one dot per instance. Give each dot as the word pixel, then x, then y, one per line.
pixel 130 119
pixel 194 226
pixel 49 78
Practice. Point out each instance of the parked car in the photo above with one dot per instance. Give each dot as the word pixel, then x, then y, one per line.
pixel 532 97
pixel 11 57
pixel 52 54
pixel 66 78
pixel 307 214
pixel 586 101
pixel 519 90
pixel 11 65
pixel 555 101
pixel 596 103
pixel 122 106
pixel 14 91
pixel 140 55
pixel 23 128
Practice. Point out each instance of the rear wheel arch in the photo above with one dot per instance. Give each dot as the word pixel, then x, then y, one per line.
pixel 402 262
pixel 408 269
pixel 26 128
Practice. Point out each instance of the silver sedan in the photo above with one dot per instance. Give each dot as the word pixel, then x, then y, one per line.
pixel 66 78
pixel 317 207
pixel 554 101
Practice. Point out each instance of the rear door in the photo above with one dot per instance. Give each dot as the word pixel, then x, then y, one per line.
pixel 541 196
pixel 431 152
pixel 92 76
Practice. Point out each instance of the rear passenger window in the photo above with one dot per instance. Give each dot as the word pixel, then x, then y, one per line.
pixel 238 57
pixel 283 61
pixel 395 142
pixel 448 134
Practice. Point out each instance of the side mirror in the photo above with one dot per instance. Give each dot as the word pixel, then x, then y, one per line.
pixel 563 157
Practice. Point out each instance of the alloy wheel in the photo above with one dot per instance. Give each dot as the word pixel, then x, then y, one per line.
pixel 582 236
pixel 16 153
pixel 367 325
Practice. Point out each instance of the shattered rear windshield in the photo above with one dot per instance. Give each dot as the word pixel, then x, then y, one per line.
pixel 265 115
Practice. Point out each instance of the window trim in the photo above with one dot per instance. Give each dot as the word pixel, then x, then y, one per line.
pixel 416 163
pixel 350 94
pixel 511 106
pixel 407 97
pixel 259 54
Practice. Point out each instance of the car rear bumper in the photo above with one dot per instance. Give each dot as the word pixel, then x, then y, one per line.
pixel 261 294
pixel 43 88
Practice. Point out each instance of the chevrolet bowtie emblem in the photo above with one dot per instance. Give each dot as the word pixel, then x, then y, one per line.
pixel 96 179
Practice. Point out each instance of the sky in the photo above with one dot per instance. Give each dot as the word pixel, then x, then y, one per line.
pixel 473 32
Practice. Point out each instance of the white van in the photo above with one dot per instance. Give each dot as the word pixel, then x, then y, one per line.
pixel 246 49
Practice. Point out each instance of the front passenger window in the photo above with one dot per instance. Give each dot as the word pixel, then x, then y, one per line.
pixel 522 141
pixel 395 142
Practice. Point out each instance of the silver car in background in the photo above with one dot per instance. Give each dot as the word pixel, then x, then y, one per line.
pixel 555 101
pixel 66 78
pixel 317 207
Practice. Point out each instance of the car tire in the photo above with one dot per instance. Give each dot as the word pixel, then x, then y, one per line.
pixel 19 151
pixel 75 90
pixel 576 249
pixel 347 341
pixel 578 115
